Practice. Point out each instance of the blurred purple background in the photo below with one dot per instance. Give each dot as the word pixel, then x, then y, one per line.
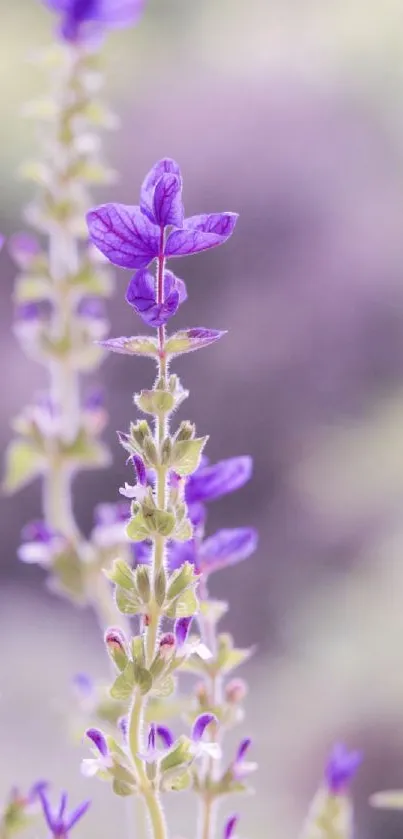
pixel 288 113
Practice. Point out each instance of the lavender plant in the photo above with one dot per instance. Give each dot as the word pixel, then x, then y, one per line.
pixel 148 557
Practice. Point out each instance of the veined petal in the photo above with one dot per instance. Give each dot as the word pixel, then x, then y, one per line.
pixel 123 234
pixel 213 481
pixel 142 296
pixel 167 201
pixel 164 166
pixel 227 547
pixel 201 233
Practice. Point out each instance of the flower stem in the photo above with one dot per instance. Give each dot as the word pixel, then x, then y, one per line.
pixel 208 805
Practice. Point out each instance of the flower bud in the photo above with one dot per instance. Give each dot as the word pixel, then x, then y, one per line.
pixel 116 645
pixel 186 431
pixel 236 691
pixel 167 646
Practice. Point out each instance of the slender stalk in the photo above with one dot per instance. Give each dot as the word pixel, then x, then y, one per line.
pixel 208 807
pixel 150 795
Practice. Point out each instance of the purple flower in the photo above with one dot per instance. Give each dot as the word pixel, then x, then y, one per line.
pixel 211 481
pixel 199 746
pixel 181 630
pixel 142 296
pixel 84 688
pixel 81 17
pixel 102 760
pixel 40 543
pixel 230 826
pixel 240 767
pixel 139 490
pixel 110 524
pixel 132 236
pixel 341 768
pixel 92 308
pixel 24 249
pixel 59 821
pixel 153 753
pixel 181 552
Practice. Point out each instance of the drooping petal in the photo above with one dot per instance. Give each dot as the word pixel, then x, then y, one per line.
pixel 164 166
pixel 140 468
pixel 213 481
pixel 98 739
pixel 200 725
pixel 243 747
pixel 141 295
pixel 167 201
pixel 181 630
pixel 200 233
pixel 166 736
pixel 123 234
pixel 227 547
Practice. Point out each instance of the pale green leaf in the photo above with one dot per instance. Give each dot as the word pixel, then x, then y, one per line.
pixel 23 464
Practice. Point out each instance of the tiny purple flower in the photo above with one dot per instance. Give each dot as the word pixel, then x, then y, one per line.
pixel 98 739
pixel 165 734
pixel 81 18
pixel 341 768
pixel 230 826
pixel 240 767
pixel 142 296
pixel 200 726
pixel 24 249
pixel 140 469
pixel 92 308
pixel 199 746
pixel 123 726
pixel 102 761
pixel 59 822
pixel 153 753
pixel 40 544
pixel 181 630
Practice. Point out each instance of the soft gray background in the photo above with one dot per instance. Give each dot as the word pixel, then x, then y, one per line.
pixel 289 112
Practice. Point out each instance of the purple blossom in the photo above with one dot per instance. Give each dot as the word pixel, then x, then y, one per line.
pixel 142 296
pixel 133 236
pixel 341 768
pixel 98 739
pixel 212 481
pixel 95 400
pixel 102 761
pixel 80 18
pixel 226 548
pixel 240 767
pixel 28 312
pixel 230 826
pixel 181 630
pixel 92 308
pixel 140 469
pixel 153 753
pixel 40 543
pixel 200 725
pixel 24 248
pixel 59 821
pixel 83 687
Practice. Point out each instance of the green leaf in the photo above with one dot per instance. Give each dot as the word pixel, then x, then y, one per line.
pixel 121 574
pixel 179 755
pixel 123 686
pixel 155 401
pixel 188 340
pixel 165 688
pixel 159 709
pixel 179 783
pixel 186 455
pixel 87 452
pixel 159 522
pixel 136 345
pixel 136 529
pixel 160 587
pixel 69 575
pixel 23 464
pixel 183 606
pixel 120 773
pixel 127 602
pixel 120 788
pixel 184 532
pixel 143 583
pixel 144 680
pixel 181 579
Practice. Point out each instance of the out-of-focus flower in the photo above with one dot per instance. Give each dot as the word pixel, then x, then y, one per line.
pixel 59 821
pixel 82 18
pixel 40 544
pixel 102 760
pixel 341 769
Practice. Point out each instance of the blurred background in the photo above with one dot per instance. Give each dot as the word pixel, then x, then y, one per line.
pixel 291 113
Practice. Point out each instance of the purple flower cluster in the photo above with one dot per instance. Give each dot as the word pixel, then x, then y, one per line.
pixel 133 236
pixel 82 18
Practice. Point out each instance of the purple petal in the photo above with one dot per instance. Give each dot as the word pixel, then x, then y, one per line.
pixel 341 768
pixel 120 13
pixel 182 290
pixel 200 726
pixel 200 233
pixel 47 812
pixel 164 166
pixel 197 513
pixel 211 482
pixel 76 815
pixel 63 805
pixel 91 307
pixel 180 552
pixel 98 740
pixel 227 547
pixel 151 737
pixel 123 234
pixel 230 826
pixel 167 201
pixel 242 749
pixel 140 469
pixel 95 400
pixel 166 735
pixel 23 249
pixel 142 552
pixel 123 725
pixel 141 294
pixel 107 514
pixel 182 626
pixel 37 531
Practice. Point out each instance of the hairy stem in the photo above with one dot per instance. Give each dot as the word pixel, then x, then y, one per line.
pixel 208 805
